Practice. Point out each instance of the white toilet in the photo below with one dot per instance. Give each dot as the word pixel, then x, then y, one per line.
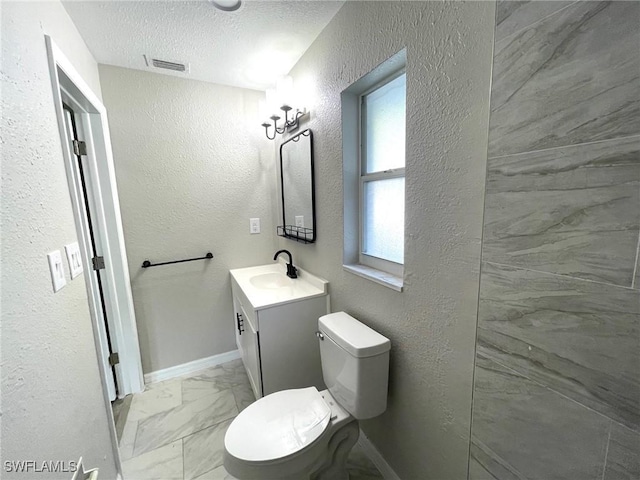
pixel 306 434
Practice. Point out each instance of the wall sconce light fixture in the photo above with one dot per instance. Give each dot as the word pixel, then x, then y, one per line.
pixel 283 91
pixel 289 123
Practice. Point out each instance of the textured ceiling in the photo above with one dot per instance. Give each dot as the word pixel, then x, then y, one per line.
pixel 248 48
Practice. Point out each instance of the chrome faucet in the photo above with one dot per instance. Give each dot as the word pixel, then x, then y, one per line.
pixel 292 272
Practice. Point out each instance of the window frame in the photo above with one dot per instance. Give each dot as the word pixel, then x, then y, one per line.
pixel 377 263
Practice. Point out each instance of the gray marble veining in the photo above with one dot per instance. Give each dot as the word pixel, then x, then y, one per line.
pixel 485 464
pixel 512 16
pixel 528 431
pixel 572 210
pixel 623 456
pixel 127 441
pixel 204 450
pixel 156 398
pixel 218 473
pixel 571 78
pixel 163 463
pixel 243 395
pixel 636 282
pixel 580 338
pixel 212 380
pixel 184 420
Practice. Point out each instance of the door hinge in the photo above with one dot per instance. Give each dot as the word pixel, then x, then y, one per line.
pixel 114 359
pixel 79 147
pixel 98 263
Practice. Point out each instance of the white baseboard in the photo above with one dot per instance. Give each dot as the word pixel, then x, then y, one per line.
pixel 378 460
pixel 190 367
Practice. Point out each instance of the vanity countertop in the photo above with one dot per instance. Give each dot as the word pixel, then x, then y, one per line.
pixel 268 285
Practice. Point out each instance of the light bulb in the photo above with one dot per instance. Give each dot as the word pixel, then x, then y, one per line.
pixel 284 90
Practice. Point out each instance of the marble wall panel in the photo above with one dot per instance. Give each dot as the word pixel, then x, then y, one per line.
pixel 570 79
pixel 623 454
pixel 557 382
pixel 578 337
pixel 523 430
pixel 572 211
pixel 513 16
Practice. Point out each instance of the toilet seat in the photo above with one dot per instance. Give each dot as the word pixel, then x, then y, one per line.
pixel 278 425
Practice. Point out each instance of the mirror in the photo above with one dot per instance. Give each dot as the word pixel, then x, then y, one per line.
pixel 298 194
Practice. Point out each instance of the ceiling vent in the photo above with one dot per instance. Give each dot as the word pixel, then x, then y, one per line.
pixel 154 63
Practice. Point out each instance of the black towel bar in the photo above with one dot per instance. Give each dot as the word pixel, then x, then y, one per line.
pixel 147 263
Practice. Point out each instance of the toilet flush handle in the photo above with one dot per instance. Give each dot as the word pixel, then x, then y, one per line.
pixel 319 335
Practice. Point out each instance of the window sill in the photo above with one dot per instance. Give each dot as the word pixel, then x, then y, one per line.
pixel 378 276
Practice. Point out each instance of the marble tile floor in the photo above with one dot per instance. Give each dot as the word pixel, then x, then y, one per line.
pixel 175 429
pixel 120 411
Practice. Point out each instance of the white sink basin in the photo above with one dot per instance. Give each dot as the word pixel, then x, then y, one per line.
pixel 270 280
pixel 268 285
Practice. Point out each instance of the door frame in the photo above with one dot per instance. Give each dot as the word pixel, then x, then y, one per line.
pixel 68 84
pixel 82 190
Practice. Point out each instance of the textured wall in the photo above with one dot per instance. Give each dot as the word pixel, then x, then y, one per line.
pixel 557 389
pixel 424 432
pixel 52 401
pixel 192 165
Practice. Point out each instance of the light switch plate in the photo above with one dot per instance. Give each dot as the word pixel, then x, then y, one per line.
pixel 300 221
pixel 74 259
pixel 254 225
pixel 57 270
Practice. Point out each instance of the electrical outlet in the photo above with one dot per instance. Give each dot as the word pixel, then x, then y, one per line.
pixel 74 259
pixel 57 270
pixel 254 225
pixel 300 221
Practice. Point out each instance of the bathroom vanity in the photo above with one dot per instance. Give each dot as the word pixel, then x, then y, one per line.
pixel 276 320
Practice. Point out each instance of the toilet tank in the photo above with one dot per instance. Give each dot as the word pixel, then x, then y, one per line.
pixel 355 364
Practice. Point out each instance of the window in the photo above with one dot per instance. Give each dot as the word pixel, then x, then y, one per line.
pixel 373 163
pixel 382 158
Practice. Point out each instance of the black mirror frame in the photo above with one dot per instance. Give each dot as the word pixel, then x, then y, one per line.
pixel 300 234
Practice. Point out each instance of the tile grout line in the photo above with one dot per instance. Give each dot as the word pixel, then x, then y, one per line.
pixel 526 27
pixel 606 452
pixel 560 147
pixel 164 412
pixel 635 267
pixel 190 434
pixel 561 275
pixel 135 439
pixel 183 459
pixel 557 392
pixel 183 438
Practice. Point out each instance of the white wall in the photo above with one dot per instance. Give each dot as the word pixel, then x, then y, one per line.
pixel 192 165
pixel 52 401
pixel 432 324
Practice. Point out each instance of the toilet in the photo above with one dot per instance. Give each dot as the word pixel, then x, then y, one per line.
pixel 307 434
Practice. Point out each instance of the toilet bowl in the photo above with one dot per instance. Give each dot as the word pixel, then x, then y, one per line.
pixel 306 433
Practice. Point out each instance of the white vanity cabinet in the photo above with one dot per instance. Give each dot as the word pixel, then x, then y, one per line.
pixel 276 327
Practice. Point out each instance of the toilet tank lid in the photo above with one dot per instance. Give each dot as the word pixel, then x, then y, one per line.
pixel 354 336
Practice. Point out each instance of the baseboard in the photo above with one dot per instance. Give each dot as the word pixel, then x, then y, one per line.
pixel 190 367
pixel 377 459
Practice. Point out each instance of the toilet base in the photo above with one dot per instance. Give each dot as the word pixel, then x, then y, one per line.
pixel 339 448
